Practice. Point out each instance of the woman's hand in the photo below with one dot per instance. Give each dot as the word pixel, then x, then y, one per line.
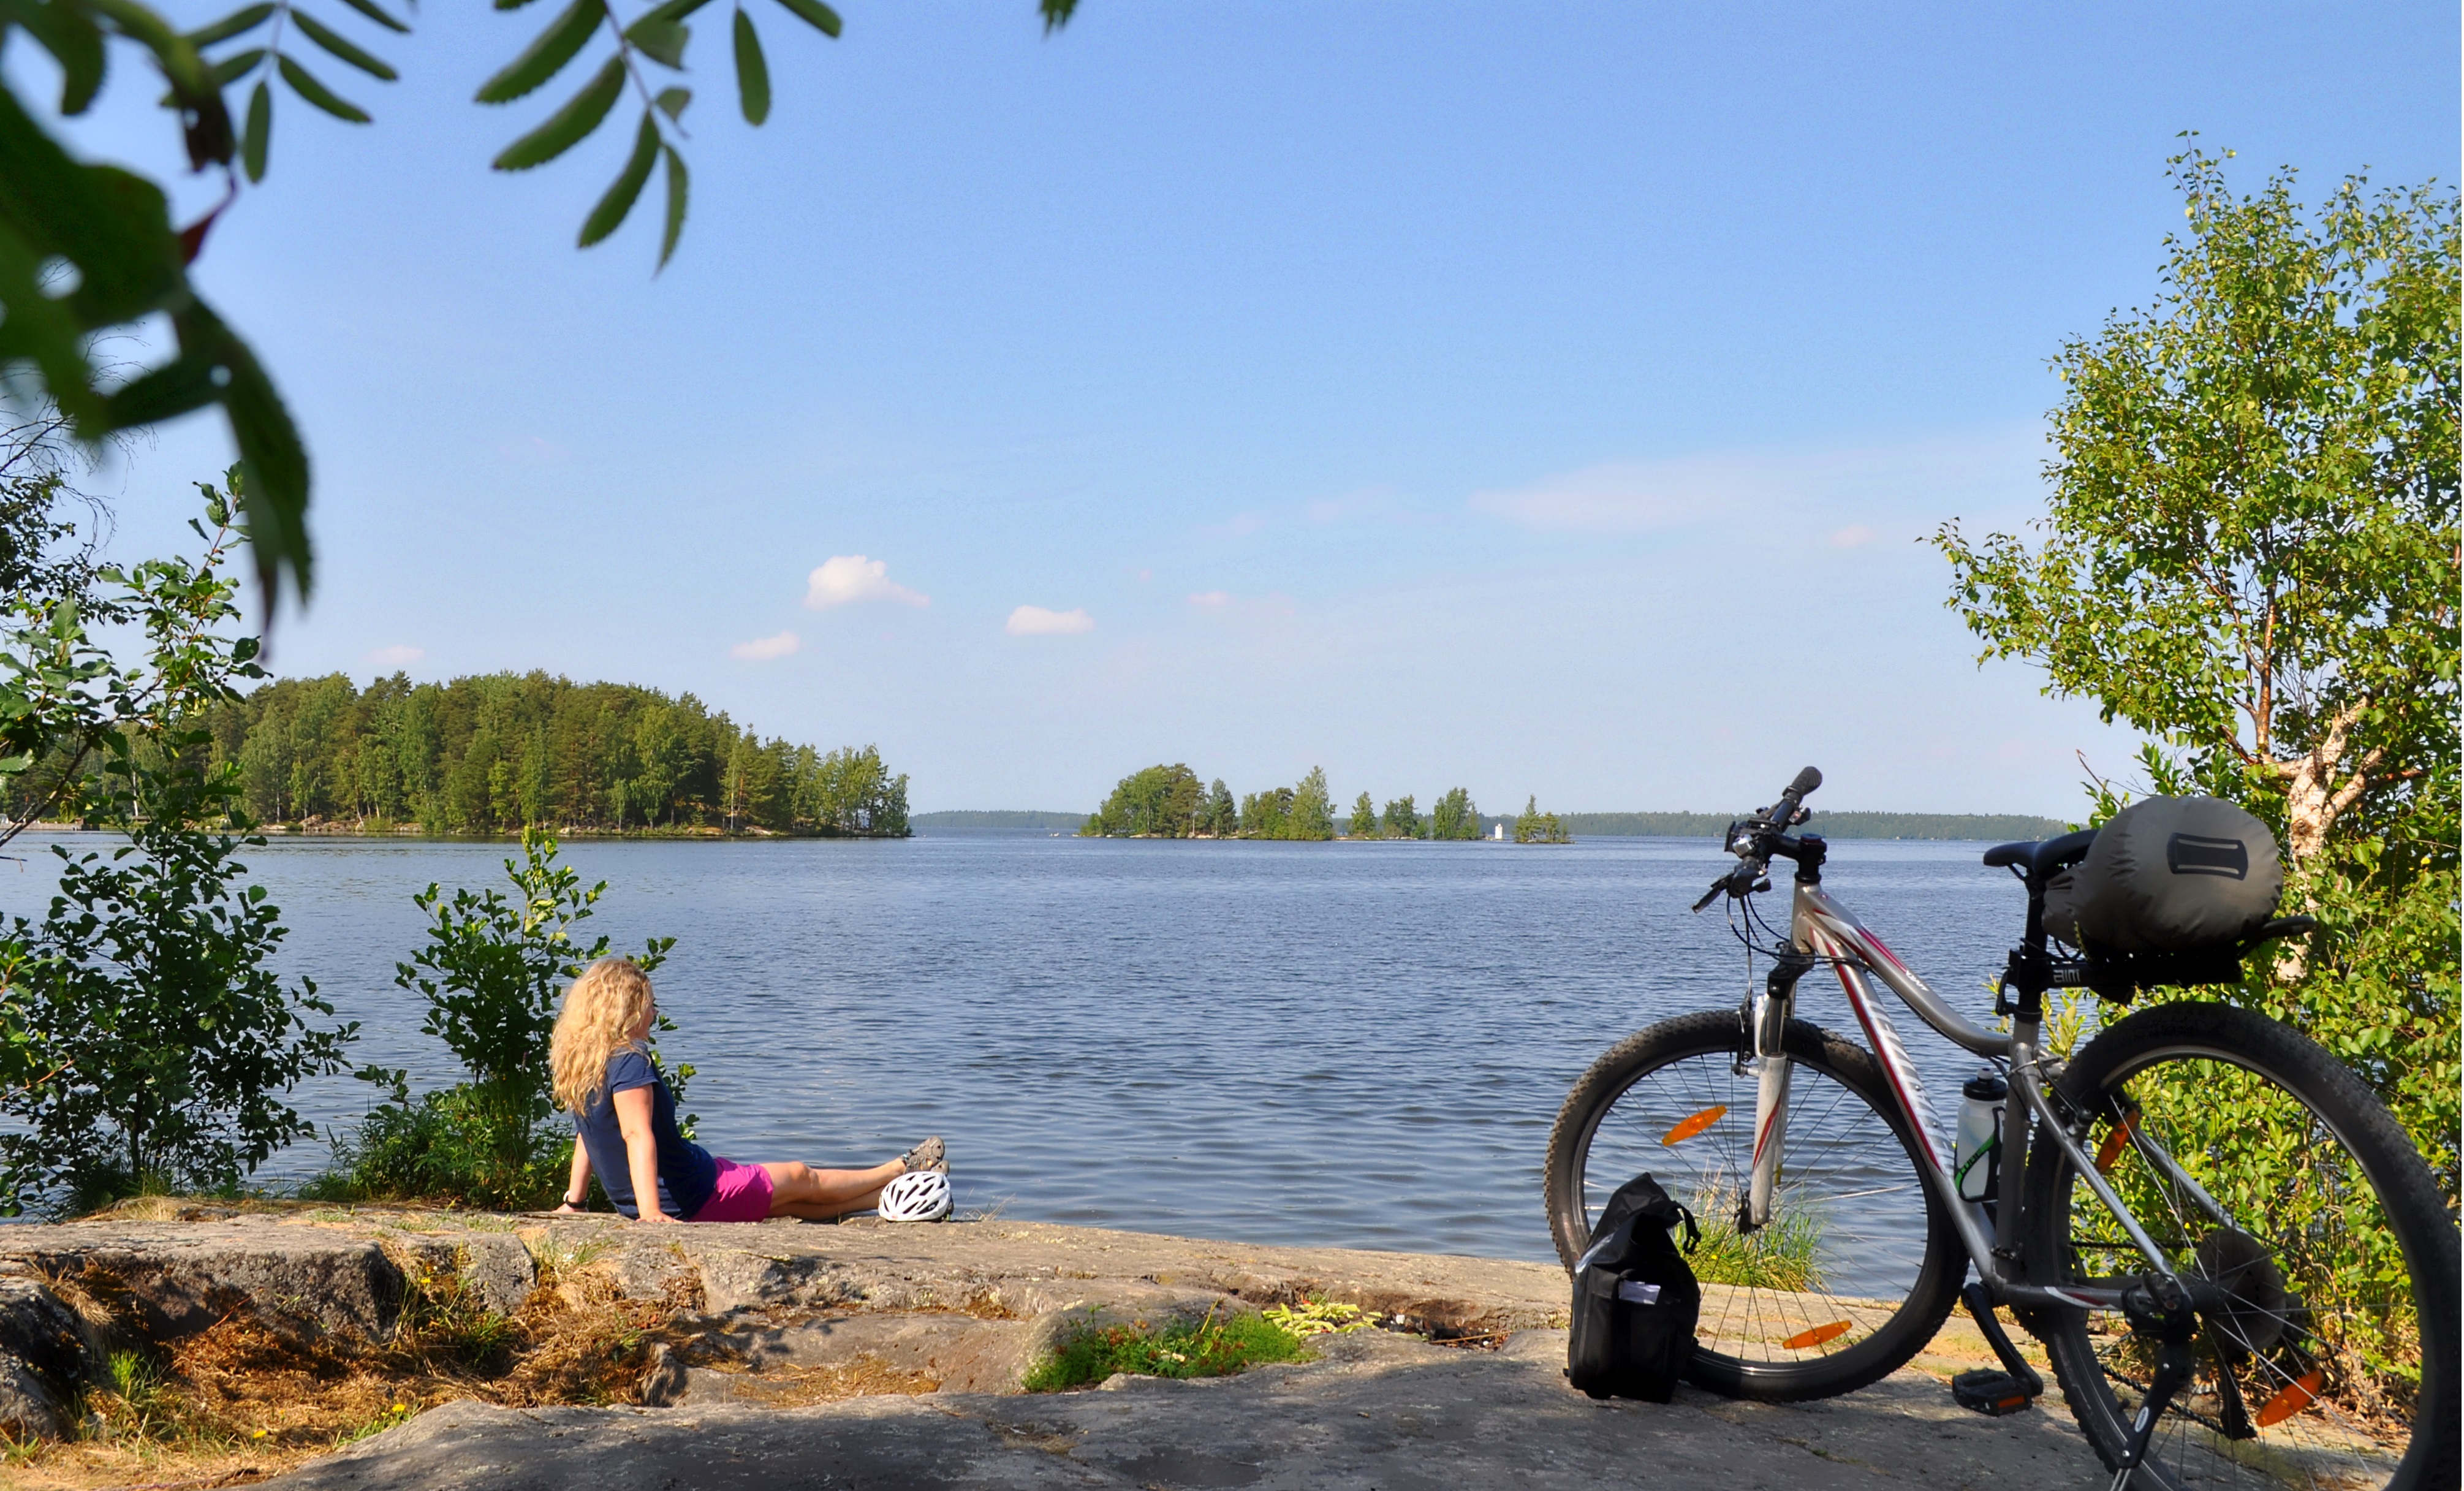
pixel 568 1209
pixel 654 1216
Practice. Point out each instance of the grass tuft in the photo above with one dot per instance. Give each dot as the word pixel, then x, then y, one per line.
pixel 1212 1347
pixel 1780 1256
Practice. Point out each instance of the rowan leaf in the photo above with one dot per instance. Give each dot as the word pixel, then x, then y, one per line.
pixel 41 330
pixel 74 42
pixel 812 13
pixel 672 101
pixel 662 41
pixel 678 10
pixel 678 187
pixel 751 73
pixel 610 212
pixel 246 19
pixel 274 490
pixel 165 392
pixel 567 126
pixel 259 131
pixel 342 46
pixel 378 13
pixel 547 54
pixel 235 66
pixel 306 84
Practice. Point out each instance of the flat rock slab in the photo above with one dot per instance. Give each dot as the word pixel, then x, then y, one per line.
pixel 1379 1411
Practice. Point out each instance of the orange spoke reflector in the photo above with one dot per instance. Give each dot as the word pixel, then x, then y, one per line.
pixel 1694 1125
pixel 2113 1143
pixel 2296 1396
pixel 1821 1333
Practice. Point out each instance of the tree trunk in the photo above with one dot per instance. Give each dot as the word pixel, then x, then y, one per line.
pixel 2313 800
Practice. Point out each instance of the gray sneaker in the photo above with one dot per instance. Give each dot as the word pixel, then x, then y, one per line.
pixel 928 1155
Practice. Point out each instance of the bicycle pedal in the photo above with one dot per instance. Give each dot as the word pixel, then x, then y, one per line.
pixel 1994 1394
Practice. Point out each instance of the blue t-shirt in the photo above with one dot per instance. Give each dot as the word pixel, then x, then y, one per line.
pixel 687 1174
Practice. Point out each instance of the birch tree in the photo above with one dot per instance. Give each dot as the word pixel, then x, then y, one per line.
pixel 2250 551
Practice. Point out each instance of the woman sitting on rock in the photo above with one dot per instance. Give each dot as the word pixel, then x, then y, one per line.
pixel 624 1123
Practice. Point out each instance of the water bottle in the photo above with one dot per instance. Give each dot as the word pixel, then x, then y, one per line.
pixel 1976 1149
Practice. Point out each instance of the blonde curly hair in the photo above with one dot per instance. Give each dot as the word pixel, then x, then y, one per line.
pixel 596 1021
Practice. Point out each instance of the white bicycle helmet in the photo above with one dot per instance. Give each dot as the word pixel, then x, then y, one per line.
pixel 921 1196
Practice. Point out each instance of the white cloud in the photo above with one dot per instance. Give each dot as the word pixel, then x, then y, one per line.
pixel 1627 496
pixel 1034 621
pixel 1274 603
pixel 1924 479
pixel 762 649
pixel 852 577
pixel 397 656
pixel 1852 536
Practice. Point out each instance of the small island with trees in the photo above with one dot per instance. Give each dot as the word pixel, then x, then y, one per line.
pixel 1171 802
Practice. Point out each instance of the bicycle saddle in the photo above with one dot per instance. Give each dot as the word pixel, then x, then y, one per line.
pixel 2043 858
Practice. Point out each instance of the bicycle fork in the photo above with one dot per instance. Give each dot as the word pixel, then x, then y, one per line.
pixel 1766 1017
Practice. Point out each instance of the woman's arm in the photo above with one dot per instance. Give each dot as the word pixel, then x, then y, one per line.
pixel 641 1151
pixel 577 1190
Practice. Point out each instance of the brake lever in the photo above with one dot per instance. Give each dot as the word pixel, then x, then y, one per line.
pixel 1739 883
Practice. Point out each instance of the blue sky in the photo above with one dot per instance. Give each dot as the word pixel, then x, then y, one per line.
pixel 1544 399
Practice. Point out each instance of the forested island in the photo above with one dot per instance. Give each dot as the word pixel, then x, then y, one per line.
pixel 498 752
pixel 1171 802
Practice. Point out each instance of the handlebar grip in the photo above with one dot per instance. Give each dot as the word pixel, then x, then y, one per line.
pixel 1806 782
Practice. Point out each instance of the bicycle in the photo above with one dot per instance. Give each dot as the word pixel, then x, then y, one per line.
pixel 2240 1268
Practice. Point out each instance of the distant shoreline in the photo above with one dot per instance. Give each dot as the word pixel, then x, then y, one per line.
pixel 1963 826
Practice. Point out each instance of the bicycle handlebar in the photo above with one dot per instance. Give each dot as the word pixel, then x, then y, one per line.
pixel 1753 840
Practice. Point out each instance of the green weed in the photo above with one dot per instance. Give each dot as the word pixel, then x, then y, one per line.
pixel 1778 1256
pixel 1316 1317
pixel 1212 1347
pixel 394 1414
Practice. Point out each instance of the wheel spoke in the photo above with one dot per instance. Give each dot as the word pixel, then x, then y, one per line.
pixel 1840 1277
pixel 2312 1349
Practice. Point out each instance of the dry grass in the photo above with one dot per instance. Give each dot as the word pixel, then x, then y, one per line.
pixel 796 1386
pixel 242 1401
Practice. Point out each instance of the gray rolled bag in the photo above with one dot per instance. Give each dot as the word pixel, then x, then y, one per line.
pixel 2169 877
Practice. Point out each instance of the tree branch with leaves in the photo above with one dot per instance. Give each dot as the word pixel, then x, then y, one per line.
pixel 2251 550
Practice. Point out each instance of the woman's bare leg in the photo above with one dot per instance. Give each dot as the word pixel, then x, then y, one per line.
pixel 798 1190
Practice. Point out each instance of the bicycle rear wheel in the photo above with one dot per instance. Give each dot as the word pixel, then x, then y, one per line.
pixel 2256 1161
pixel 1859 1265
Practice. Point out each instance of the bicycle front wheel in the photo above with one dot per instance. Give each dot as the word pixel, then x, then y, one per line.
pixel 2259 1164
pixel 1858 1265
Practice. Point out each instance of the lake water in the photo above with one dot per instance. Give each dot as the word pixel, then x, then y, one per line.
pixel 1356 1045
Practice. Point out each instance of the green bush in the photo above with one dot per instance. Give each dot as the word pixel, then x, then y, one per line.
pixel 448 1146
pixel 145 1044
pixel 492 971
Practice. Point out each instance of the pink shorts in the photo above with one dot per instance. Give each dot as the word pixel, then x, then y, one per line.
pixel 743 1195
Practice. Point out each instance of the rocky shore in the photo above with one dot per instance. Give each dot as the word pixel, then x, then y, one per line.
pixel 197 1345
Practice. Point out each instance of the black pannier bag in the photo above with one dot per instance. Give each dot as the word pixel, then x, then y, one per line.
pixel 1636 1300
pixel 2172 887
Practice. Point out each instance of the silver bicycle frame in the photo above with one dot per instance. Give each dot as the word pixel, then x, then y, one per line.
pixel 1822 928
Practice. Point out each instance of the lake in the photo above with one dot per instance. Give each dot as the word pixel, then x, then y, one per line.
pixel 1341 1045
